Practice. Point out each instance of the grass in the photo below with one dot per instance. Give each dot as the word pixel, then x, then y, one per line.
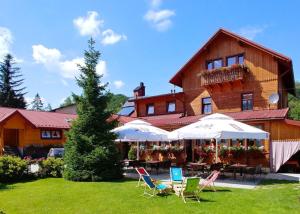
pixel 60 196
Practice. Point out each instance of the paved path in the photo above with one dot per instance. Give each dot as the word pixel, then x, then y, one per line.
pixel 220 183
pixel 283 176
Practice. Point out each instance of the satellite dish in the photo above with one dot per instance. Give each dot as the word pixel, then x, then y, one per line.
pixel 273 98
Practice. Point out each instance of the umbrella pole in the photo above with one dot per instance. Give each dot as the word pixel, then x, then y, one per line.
pixel 137 151
pixel 216 150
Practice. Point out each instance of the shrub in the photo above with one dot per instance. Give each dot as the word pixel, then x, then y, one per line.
pixel 132 153
pixel 12 168
pixel 237 152
pixel 52 167
pixel 224 152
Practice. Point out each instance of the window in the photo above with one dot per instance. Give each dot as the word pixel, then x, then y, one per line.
pixel 150 109
pixel 46 134
pixel 231 61
pixel 218 63
pixel 247 101
pixel 241 59
pixel 210 65
pixel 206 105
pixel 51 134
pixel 213 64
pixel 237 59
pixel 171 107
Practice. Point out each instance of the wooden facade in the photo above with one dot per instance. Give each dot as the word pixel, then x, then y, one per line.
pixel 262 73
pixel 33 130
pixel 160 104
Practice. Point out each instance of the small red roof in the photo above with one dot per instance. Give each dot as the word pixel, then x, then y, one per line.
pixel 179 119
pixel 39 119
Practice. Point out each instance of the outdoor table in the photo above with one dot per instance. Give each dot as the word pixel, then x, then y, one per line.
pixel 197 166
pixel 127 163
pixel 153 164
pixel 236 167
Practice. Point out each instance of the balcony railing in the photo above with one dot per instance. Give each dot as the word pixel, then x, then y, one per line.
pixel 223 75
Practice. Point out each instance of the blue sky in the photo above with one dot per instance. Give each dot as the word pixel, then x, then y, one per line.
pixel 140 40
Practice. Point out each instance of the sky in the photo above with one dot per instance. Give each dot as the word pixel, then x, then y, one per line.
pixel 139 40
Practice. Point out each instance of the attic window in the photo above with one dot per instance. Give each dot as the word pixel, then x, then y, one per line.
pixel 237 59
pixel 213 64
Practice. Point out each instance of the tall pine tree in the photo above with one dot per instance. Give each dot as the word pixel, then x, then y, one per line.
pixel 90 151
pixel 37 103
pixel 11 90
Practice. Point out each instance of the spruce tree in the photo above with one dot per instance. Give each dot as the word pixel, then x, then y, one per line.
pixel 11 92
pixel 90 151
pixel 37 103
pixel 48 107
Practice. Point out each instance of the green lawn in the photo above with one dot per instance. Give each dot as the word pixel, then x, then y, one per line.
pixel 60 196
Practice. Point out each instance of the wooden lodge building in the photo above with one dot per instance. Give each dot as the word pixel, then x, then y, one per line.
pixel 26 132
pixel 230 75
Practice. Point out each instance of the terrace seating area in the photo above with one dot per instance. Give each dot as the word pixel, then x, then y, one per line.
pixel 233 176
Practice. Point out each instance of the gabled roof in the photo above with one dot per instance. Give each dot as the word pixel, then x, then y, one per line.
pixel 176 79
pixel 39 119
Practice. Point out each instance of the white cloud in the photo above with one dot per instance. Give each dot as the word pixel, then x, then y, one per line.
pixel 69 68
pixel 118 84
pixel 44 55
pixel 89 25
pixel 160 19
pixel 6 40
pixel 250 32
pixel 110 37
pixel 53 60
pixel 101 68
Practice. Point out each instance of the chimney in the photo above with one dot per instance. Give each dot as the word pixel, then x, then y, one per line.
pixel 139 91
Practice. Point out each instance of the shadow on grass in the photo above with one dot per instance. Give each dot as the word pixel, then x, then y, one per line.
pixel 4 187
pixel 275 182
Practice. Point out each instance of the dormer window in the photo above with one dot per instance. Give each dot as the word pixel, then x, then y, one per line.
pixel 213 64
pixel 150 109
pixel 237 59
pixel 171 107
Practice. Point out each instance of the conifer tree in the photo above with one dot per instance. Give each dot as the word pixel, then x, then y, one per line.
pixel 11 90
pixel 90 151
pixel 48 107
pixel 37 103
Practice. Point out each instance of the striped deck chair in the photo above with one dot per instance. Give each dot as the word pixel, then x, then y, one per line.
pixel 141 171
pixel 190 189
pixel 210 181
pixel 153 187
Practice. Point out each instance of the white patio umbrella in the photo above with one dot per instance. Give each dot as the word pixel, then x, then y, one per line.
pixel 140 131
pixel 218 126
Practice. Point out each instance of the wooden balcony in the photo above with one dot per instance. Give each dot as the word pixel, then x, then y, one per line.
pixel 223 75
